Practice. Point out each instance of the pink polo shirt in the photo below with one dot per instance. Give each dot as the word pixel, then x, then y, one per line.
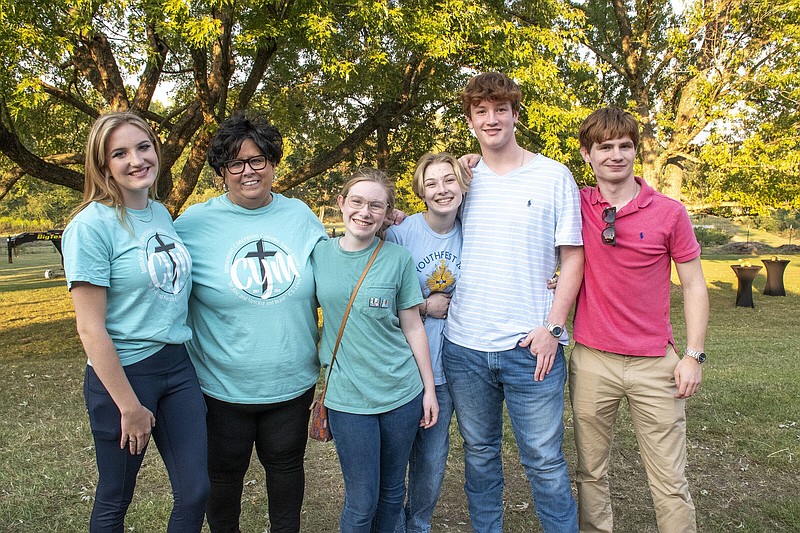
pixel 623 304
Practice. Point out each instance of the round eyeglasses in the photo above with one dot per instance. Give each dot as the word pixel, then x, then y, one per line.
pixel 236 166
pixel 358 202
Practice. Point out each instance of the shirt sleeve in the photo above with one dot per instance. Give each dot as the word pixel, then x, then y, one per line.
pixel 683 245
pixel 409 294
pixel 568 221
pixel 87 255
pixel 391 235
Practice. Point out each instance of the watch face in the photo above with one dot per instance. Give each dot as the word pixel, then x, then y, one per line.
pixel 700 357
pixel 557 331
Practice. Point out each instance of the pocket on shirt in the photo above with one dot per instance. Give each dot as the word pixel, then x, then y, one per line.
pixel 377 301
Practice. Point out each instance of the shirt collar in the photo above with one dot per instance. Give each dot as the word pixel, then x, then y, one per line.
pixel 641 201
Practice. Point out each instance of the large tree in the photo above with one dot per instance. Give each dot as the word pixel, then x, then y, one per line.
pixel 347 83
pixel 713 67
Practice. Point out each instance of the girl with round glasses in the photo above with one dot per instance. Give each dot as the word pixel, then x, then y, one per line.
pixel 381 387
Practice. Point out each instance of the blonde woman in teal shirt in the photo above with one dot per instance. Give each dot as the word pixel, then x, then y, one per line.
pixel 129 275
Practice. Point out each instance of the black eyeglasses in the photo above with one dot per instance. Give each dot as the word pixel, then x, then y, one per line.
pixel 236 166
pixel 609 234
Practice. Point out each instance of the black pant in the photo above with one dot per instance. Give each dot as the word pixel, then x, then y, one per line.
pixel 279 432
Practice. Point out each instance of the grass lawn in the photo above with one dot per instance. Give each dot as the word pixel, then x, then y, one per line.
pixel 743 427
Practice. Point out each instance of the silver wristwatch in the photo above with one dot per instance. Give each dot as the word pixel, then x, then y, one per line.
pixel 700 357
pixel 554 329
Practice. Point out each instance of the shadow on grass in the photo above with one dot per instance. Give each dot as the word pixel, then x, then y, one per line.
pixel 28 285
pixel 27 273
pixel 52 339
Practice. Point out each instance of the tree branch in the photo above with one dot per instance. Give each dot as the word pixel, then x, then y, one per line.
pixel 384 113
pixel 156 57
pixel 96 60
pixel 258 68
pixel 70 99
pixel 30 163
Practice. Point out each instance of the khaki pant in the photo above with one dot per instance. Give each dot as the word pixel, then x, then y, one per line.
pixel 597 382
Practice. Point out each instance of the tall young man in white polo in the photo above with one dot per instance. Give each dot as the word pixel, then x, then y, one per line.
pixel 505 333
pixel 624 342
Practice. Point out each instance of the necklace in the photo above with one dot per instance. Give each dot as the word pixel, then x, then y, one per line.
pixel 522 161
pixel 149 209
pixel 635 194
pixel 440 228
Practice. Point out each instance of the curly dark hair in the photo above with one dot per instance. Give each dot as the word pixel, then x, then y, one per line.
pixel 235 130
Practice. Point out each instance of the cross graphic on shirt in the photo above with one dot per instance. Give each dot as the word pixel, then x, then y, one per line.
pixel 166 248
pixel 262 254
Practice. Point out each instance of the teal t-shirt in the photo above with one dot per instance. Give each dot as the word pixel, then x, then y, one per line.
pixel 253 309
pixel 146 271
pixel 374 371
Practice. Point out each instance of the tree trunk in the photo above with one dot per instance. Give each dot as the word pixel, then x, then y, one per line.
pixel 672 180
pixel 648 149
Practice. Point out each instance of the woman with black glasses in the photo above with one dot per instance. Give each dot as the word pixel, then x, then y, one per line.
pixel 254 317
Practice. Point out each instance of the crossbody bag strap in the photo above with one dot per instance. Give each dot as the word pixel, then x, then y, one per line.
pixel 347 314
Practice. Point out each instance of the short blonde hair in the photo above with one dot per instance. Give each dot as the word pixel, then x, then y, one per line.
pixel 418 181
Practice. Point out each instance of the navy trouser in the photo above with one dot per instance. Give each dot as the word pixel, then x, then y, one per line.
pixel 166 384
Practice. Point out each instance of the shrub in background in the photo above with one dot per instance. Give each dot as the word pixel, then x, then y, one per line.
pixel 779 221
pixel 711 236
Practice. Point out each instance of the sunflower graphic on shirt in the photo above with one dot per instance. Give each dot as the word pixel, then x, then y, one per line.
pixel 441 279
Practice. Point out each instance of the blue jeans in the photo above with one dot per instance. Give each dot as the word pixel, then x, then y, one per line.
pixel 426 466
pixel 166 384
pixel 373 452
pixel 479 382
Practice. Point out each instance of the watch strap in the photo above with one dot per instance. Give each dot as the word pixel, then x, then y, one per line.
pixel 551 327
pixel 700 357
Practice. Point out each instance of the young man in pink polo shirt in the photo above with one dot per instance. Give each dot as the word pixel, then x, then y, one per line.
pixel 624 343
